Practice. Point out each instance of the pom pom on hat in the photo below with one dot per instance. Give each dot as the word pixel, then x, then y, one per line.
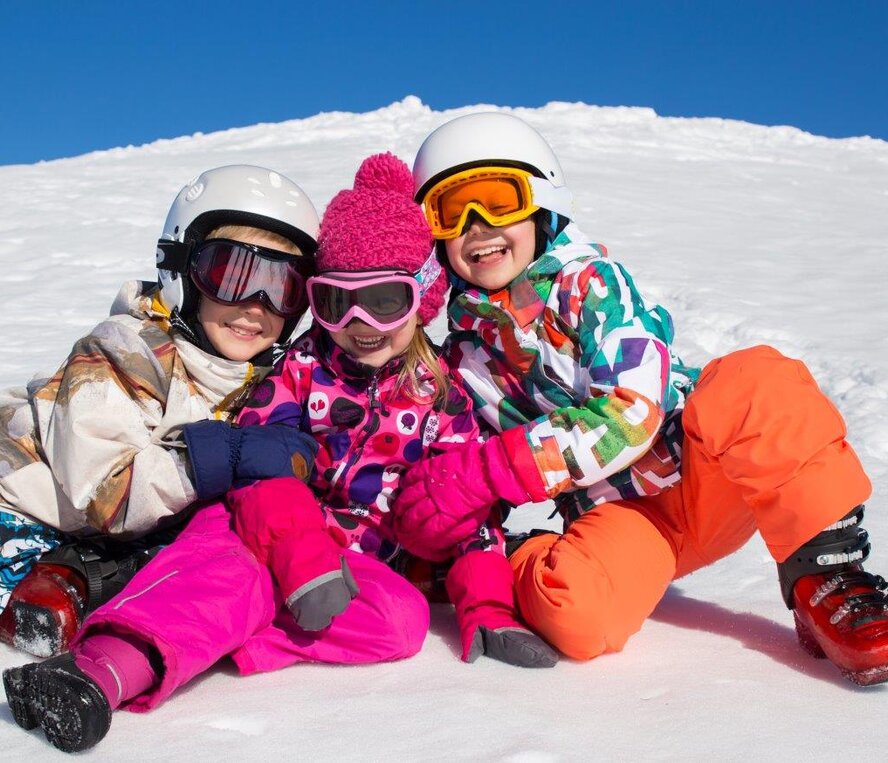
pixel 384 172
pixel 378 225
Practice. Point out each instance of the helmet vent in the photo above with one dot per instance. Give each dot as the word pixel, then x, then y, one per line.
pixel 194 192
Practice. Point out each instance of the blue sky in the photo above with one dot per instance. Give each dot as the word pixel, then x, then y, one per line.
pixel 80 76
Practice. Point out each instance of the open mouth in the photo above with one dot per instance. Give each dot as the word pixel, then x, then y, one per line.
pixel 488 253
pixel 369 342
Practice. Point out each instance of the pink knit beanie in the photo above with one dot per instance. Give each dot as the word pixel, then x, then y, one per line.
pixel 378 225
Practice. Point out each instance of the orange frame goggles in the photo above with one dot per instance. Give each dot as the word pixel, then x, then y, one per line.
pixel 500 195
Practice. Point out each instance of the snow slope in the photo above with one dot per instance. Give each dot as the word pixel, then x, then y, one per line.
pixel 747 234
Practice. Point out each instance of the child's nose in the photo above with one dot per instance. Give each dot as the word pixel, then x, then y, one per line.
pixel 474 222
pixel 253 307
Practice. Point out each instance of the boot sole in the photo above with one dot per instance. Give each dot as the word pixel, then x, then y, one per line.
pixel 71 721
pixel 866 677
pixel 36 630
pixel 15 683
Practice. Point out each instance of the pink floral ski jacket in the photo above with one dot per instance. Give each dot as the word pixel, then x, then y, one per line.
pixel 368 431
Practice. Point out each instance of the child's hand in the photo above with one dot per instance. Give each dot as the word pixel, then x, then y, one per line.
pixel 274 450
pixel 444 499
pixel 221 453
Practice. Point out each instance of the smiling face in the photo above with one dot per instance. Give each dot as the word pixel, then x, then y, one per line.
pixel 492 257
pixel 371 346
pixel 240 332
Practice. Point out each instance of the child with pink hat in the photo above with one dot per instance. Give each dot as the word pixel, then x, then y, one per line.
pixel 303 573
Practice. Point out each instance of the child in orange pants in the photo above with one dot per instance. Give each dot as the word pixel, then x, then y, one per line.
pixel 764 450
pixel 656 468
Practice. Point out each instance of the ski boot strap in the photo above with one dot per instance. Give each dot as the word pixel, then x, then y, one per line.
pixel 92 566
pixel 840 546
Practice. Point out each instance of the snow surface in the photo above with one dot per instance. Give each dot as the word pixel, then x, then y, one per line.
pixel 748 234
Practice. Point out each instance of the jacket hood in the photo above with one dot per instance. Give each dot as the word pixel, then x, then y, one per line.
pixel 140 300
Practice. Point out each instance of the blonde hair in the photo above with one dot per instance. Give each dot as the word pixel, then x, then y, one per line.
pixel 420 352
pixel 246 232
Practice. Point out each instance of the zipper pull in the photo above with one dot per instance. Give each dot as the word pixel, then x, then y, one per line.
pixel 373 394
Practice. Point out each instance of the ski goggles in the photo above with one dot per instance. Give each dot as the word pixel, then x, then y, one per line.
pixel 500 195
pixel 232 272
pixel 383 299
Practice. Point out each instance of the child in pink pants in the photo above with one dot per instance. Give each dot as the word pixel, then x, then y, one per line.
pixel 291 573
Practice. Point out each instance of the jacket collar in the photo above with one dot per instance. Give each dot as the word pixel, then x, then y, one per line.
pixel 520 298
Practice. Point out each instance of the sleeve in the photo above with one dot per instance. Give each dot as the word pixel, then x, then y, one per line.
pixel 97 420
pixel 622 380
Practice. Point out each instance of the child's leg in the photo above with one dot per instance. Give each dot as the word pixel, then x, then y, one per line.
pixel 199 599
pixel 764 449
pixel 588 590
pixel 758 425
pixel 387 620
pixel 281 522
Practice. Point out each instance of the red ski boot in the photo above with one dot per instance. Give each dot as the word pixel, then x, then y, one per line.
pixel 44 611
pixel 47 608
pixel 844 616
pixel 841 611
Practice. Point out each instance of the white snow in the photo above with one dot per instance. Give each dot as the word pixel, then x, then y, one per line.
pixel 747 234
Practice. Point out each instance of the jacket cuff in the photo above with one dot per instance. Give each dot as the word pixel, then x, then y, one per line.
pixel 210 445
pixel 524 465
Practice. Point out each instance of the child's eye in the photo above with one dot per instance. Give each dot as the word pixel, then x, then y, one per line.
pixel 385 306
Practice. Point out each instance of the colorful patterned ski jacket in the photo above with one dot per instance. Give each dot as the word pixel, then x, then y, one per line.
pixel 368 431
pixel 97 448
pixel 576 357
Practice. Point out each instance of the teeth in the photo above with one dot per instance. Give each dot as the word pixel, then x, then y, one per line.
pixel 479 253
pixel 366 341
pixel 243 332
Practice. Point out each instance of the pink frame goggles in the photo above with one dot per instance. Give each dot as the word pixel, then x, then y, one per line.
pixel 383 299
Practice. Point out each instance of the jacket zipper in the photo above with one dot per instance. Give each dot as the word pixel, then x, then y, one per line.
pixel 366 433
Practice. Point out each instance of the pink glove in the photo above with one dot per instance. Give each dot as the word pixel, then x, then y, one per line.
pixel 445 499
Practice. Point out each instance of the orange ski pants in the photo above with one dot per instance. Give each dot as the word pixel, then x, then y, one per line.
pixel 764 450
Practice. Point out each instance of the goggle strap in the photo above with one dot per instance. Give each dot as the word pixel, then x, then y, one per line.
pixel 555 199
pixel 429 272
pixel 173 255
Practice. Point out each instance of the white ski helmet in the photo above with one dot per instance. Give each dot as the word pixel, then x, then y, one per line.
pixel 491 138
pixel 237 194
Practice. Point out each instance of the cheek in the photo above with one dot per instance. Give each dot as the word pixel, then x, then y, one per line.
pixel 276 324
pixel 525 238
pixel 452 248
pixel 340 338
pixel 207 312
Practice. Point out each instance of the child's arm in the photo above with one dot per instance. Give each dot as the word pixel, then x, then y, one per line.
pixel 624 368
pixel 625 364
pixel 104 427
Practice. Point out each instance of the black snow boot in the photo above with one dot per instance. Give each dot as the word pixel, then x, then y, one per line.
pixel 58 697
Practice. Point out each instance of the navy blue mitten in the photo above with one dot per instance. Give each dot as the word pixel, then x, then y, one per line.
pixel 221 453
